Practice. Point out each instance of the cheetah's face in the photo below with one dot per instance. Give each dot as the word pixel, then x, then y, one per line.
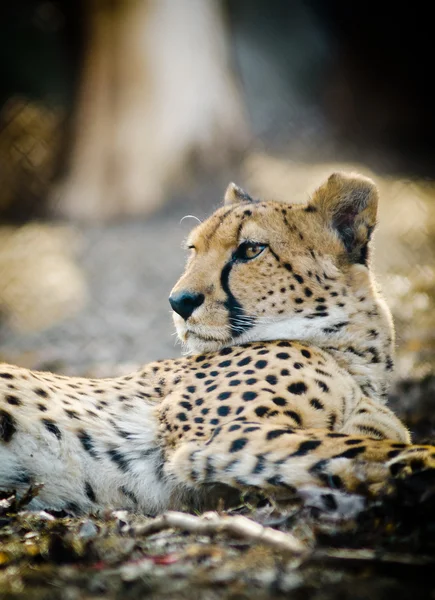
pixel 265 270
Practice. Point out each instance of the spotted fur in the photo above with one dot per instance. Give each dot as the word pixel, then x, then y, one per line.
pixel 290 357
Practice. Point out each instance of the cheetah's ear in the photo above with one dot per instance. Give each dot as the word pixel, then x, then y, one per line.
pixel 234 194
pixel 349 202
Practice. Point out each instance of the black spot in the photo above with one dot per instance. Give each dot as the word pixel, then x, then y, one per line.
pixel 288 266
pixel 306 447
pixel 186 405
pixel 275 433
pixel 284 344
pixel 224 395
pixel 234 427
pixel 353 441
pixel 231 374
pixel 329 501
pixel 315 403
pixel 332 419
pixel 225 351
pixel 310 209
pixel 13 400
pixel 119 459
pixel 306 353
pixel 214 421
pixel 90 492
pixel 298 365
pixel 181 416
pixel 223 411
pixel 371 431
pixel 6 376
pixel 199 401
pixel 259 465
pixel 251 381
pixel 41 392
pixel 238 444
pixel 362 259
pixel 351 452
pixel 276 481
pixel 308 293
pixel 271 379
pixel 244 361
pixel 129 494
pixel 205 411
pixel 200 358
pixel 322 385
pixel 260 411
pixel 261 364
pixel 87 442
pixel 299 278
pixel 283 355
pixel 8 425
pixel 229 466
pixel 248 396
pixel 285 372
pixel 297 388
pixel 322 372
pixel 336 435
pixel 191 389
pixel 225 363
pixel 198 420
pixel 52 428
pixel 393 453
pixel 279 401
pixel 234 382
pixel 294 415
pixel 42 407
pixel 200 375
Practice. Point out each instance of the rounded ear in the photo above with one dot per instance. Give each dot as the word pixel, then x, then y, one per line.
pixel 234 194
pixel 348 202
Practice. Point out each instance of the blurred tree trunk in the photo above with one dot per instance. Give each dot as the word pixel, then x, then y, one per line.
pixel 156 91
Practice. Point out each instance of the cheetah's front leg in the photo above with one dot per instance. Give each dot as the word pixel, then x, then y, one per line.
pixel 271 457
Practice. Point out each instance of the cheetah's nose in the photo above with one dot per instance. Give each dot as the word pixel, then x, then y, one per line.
pixel 184 303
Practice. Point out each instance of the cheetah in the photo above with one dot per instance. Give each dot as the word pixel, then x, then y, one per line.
pixel 289 356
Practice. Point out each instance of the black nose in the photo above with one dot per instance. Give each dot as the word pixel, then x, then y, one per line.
pixel 184 303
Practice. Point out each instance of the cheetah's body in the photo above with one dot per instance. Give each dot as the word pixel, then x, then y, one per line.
pixel 255 407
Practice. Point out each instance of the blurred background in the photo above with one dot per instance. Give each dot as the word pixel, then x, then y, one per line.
pixel 119 117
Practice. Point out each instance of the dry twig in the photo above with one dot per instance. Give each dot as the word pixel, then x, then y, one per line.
pixel 211 523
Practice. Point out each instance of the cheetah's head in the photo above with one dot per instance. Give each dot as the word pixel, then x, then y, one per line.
pixel 262 270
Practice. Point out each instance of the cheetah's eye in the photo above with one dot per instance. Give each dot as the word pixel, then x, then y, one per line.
pixel 248 250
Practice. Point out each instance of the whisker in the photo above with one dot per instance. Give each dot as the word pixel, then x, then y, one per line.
pixel 190 217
